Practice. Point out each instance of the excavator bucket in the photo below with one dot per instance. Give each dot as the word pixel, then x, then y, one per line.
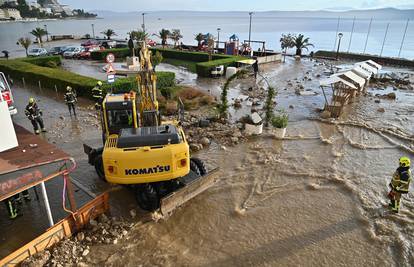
pixel 192 188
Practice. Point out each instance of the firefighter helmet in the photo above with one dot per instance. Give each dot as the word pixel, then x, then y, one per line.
pixel 99 83
pixel 404 162
pixel 31 100
pixel 68 88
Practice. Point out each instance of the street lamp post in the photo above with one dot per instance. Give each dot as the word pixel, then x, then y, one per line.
pixel 93 30
pixel 340 35
pixel 250 27
pixel 143 22
pixel 47 34
pixel 218 37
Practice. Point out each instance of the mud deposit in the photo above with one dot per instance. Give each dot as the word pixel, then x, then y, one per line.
pixel 311 199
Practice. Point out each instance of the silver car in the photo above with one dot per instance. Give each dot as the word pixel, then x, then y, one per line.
pixel 37 52
pixel 72 51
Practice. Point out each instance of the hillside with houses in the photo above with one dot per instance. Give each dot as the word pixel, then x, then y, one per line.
pixel 11 10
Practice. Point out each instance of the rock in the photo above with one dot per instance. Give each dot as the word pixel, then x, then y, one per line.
pixel 325 114
pixel 381 110
pixel 133 213
pixel 88 239
pixel 237 103
pixel 203 123
pixel 103 218
pixel 92 222
pixel 196 147
pixel 62 118
pixel 391 96
pixel 39 259
pixel 80 236
pixel 234 139
pixel 377 101
pixel 205 141
pixel 291 106
pixel 115 241
pixel 85 252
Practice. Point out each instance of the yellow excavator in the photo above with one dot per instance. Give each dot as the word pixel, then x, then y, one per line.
pixel 142 151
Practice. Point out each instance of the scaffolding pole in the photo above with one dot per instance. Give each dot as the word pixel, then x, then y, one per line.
pixel 369 31
pixel 385 37
pixel 352 32
pixel 403 39
pixel 336 34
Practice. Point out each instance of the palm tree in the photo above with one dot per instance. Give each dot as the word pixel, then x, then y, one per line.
pixel 138 35
pixel 163 35
pixel 39 33
pixel 108 33
pixel 199 38
pixel 25 42
pixel 176 36
pixel 286 41
pixel 301 43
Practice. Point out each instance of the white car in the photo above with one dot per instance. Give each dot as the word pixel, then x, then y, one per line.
pixel 72 51
pixel 37 52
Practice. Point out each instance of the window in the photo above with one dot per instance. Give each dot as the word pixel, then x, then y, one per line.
pixel 120 119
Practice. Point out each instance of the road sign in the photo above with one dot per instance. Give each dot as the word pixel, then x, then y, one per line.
pixel 110 58
pixel 110 69
pixel 110 78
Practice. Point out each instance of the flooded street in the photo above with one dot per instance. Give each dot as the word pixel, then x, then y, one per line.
pixel 311 199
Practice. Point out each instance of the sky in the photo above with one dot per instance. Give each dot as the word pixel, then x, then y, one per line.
pixel 234 5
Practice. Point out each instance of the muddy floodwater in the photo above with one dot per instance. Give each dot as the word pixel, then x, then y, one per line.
pixel 311 199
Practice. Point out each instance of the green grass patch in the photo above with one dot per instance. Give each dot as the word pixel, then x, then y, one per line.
pixel 189 65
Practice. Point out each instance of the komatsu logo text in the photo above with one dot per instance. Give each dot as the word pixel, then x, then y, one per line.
pixel 157 169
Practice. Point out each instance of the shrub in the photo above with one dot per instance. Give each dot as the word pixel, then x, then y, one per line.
pixel 189 93
pixel 280 121
pixel 171 107
pixel 165 80
pixel 269 104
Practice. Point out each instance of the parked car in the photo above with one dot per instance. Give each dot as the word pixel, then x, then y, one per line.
pixel 57 50
pixel 37 52
pixel 151 42
pixel 86 54
pixel 72 51
pixel 90 42
pixel 108 43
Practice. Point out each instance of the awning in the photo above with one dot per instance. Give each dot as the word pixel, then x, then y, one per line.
pixel 335 79
pixel 352 76
pixel 374 64
pixel 247 61
pixel 367 67
pixel 361 72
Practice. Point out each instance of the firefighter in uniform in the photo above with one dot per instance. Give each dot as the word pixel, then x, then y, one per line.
pixel 70 100
pixel 34 114
pixel 98 95
pixel 400 183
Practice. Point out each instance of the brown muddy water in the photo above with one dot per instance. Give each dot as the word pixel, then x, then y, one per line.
pixel 311 199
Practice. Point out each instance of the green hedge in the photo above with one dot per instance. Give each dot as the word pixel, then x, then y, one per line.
pixel 118 53
pixel 124 85
pixel 48 77
pixel 51 77
pixel 43 61
pixel 204 68
pixel 187 55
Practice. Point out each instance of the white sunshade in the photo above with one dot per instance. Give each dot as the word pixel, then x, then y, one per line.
pixel 367 67
pixel 374 64
pixel 335 79
pixel 361 72
pixel 354 77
